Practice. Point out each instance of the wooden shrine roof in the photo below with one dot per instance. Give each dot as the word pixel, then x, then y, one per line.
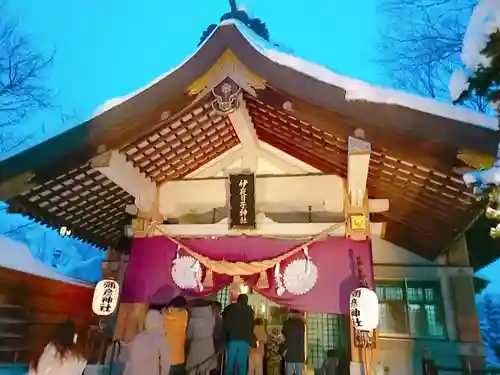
pixel 166 134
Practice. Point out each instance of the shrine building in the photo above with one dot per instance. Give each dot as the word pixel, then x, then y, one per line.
pixel 250 162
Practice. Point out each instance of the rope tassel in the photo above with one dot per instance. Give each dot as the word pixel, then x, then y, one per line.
pixel 263 282
pixel 209 278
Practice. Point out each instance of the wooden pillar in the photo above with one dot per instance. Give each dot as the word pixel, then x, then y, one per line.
pixel 130 317
pixel 363 356
pixel 464 306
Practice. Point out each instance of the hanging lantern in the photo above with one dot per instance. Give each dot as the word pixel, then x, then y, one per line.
pixel 128 231
pixel 106 294
pixel 363 305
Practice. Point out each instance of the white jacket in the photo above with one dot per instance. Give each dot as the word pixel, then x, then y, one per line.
pixel 51 363
pixel 149 353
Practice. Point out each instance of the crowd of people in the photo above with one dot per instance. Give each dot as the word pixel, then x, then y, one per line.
pixel 192 339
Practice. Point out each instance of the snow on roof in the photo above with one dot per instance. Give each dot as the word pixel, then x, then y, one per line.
pixel 355 90
pixel 17 256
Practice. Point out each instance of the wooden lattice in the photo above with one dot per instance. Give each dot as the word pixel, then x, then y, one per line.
pixel 427 208
pixel 84 200
pixel 182 146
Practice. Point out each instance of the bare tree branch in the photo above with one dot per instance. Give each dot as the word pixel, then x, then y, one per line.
pixel 22 87
pixel 421 42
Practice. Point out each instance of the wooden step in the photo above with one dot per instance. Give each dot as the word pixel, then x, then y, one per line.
pixel 12 321
pixel 10 306
pixel 7 349
pixel 9 335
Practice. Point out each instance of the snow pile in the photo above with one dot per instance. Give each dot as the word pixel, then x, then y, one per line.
pixel 17 256
pixel 485 20
pixel 356 90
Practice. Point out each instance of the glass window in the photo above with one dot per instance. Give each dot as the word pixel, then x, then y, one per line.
pixel 223 296
pixel 411 307
pixel 324 332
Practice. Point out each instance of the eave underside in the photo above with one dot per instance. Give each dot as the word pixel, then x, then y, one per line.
pixel 429 205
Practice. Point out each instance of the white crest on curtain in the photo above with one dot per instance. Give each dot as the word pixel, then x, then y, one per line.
pixel 300 275
pixel 186 272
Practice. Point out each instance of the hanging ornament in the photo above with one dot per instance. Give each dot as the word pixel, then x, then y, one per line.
pixel 263 282
pixel 364 313
pixel 300 275
pixel 208 281
pixel 280 289
pixel 186 272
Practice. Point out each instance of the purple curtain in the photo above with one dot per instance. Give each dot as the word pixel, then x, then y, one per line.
pixel 148 277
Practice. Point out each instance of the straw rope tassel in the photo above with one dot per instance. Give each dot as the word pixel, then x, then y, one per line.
pixel 247 268
pixel 263 282
pixel 209 278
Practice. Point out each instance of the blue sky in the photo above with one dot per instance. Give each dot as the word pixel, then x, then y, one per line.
pixel 105 49
pixel 109 48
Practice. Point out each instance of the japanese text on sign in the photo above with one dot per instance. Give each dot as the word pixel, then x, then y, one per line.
pixel 242 201
pixel 106 294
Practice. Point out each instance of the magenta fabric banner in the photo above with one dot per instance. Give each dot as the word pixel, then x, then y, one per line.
pixel 148 278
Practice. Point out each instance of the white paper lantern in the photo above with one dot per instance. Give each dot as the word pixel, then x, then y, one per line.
pixel 363 306
pixel 187 273
pixel 106 295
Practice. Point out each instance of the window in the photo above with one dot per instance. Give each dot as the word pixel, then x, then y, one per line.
pixel 223 296
pixel 324 332
pixel 411 308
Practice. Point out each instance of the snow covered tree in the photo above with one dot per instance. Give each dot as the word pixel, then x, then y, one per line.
pixel 485 81
pixel 480 56
pixel 480 77
pixel 420 54
pixel 490 323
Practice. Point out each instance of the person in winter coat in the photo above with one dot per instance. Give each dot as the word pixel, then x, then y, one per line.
pixel 201 357
pixel 330 364
pixel 256 358
pixel 175 320
pixel 61 356
pixel 273 352
pixel 149 353
pixel 294 346
pixel 428 364
pixel 238 325
pixel 219 336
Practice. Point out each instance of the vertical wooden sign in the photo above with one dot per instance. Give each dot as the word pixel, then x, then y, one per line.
pixel 242 215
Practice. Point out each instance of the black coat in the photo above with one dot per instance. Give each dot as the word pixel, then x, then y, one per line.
pixel 238 322
pixel 218 332
pixel 294 330
pixel 429 367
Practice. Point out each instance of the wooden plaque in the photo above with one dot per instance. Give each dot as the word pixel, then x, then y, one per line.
pixel 242 215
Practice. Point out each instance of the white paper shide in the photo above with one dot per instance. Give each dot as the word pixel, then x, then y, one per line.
pixel 363 307
pixel 106 295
